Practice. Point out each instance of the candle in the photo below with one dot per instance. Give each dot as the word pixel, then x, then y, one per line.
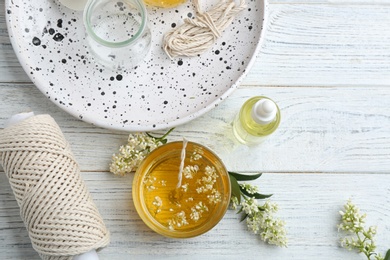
pixel 186 205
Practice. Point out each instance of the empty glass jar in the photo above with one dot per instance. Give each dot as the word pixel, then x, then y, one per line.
pixel 118 35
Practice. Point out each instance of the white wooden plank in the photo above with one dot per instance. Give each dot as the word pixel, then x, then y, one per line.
pixel 322 130
pixel 326 45
pixel 10 69
pixel 333 2
pixel 309 203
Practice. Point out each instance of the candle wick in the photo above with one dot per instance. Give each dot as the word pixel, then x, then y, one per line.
pixel 183 157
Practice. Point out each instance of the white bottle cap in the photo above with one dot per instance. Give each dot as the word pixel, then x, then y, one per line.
pixel 264 111
pixel 18 118
pixel 90 255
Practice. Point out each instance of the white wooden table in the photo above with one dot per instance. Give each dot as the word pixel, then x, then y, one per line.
pixel 327 64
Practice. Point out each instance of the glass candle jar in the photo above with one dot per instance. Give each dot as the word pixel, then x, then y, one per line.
pixel 164 3
pixel 191 208
pixel 118 35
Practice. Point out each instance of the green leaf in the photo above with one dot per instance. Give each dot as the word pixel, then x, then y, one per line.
pixel 387 257
pixel 235 188
pixel 244 216
pixel 255 195
pixel 245 177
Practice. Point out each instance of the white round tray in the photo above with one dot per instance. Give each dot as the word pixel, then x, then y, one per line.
pixel 49 40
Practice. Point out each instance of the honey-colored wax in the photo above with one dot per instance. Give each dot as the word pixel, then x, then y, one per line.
pixel 164 3
pixel 193 207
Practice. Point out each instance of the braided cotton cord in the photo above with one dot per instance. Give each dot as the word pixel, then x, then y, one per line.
pixel 197 35
pixel 182 159
pixel 57 210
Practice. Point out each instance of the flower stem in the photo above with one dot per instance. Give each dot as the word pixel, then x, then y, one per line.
pixel 162 137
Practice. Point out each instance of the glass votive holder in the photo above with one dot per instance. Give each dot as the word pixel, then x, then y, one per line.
pixel 191 208
pixel 118 35
pixel 164 3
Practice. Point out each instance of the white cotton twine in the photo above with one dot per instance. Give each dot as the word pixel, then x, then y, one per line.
pixel 182 157
pixel 61 219
pixel 197 35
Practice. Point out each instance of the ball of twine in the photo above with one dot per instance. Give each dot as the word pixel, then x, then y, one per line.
pixel 60 216
pixel 197 35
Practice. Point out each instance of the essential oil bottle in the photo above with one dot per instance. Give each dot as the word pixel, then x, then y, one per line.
pixel 258 118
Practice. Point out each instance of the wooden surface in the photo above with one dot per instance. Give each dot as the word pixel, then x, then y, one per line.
pixel 327 64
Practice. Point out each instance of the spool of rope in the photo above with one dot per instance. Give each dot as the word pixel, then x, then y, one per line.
pixel 197 35
pixel 61 219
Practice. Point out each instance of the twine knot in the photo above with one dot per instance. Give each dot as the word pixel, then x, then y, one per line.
pixel 197 35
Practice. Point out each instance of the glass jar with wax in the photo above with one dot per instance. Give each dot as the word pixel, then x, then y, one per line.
pixel 181 204
pixel 164 3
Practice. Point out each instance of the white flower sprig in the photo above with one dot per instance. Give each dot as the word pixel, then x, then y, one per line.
pixel 358 237
pixel 138 146
pixel 260 219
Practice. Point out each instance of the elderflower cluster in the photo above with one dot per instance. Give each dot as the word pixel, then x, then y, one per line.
pixel 157 203
pixel 271 229
pixel 207 182
pixel 196 156
pixel 251 189
pixel 250 206
pixel 198 210
pixel 214 197
pixel 261 221
pixel 190 170
pixel 234 203
pixel 360 238
pixel 351 218
pixel 178 220
pixel 138 146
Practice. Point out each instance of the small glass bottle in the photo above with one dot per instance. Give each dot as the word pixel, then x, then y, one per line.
pixel 258 118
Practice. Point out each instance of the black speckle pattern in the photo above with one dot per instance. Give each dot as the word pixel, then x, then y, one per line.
pixel 158 93
pixel 58 37
pixel 59 23
pixel 36 41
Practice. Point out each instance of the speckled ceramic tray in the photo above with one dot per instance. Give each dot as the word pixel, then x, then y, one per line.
pixel 48 39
